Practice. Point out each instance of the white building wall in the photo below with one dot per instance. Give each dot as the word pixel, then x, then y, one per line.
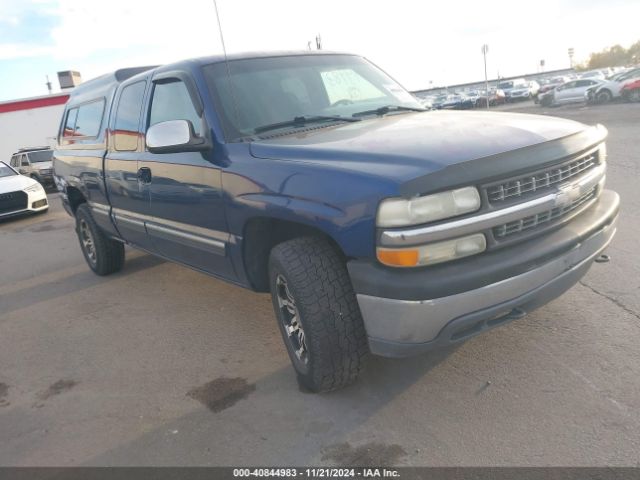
pixel 28 128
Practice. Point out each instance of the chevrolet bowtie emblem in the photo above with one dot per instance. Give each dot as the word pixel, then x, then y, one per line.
pixel 567 195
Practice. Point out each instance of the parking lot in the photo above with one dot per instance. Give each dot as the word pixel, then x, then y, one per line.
pixel 160 365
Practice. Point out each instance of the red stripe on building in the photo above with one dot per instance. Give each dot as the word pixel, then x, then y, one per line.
pixel 33 103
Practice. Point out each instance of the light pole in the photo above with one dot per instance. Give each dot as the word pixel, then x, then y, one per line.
pixel 485 49
pixel 571 51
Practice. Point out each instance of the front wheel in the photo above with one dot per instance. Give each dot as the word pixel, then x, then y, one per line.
pixel 604 96
pixel 317 313
pixel 633 95
pixel 103 254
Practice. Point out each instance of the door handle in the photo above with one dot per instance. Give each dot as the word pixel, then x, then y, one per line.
pixel 144 175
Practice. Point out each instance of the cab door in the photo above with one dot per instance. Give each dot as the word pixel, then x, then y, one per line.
pixel 128 197
pixel 188 221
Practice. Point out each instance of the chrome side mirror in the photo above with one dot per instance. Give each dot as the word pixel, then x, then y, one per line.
pixel 174 136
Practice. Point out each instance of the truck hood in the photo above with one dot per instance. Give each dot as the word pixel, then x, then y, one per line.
pixel 403 146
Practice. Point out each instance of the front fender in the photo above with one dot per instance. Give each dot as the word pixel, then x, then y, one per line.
pixel 351 228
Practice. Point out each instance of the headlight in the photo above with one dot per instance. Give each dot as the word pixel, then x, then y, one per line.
pixel 433 253
pixel 34 188
pixel 399 212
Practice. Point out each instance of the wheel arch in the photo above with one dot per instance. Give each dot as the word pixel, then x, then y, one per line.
pixel 261 234
pixel 75 198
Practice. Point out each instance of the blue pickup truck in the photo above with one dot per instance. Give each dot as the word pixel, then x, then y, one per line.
pixel 376 226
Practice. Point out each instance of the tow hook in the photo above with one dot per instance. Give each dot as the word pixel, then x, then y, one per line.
pixel 602 258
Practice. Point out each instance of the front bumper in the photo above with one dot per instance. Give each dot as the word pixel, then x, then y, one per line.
pixel 36 202
pixel 401 326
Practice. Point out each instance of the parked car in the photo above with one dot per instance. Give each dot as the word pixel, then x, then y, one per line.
pixel 495 96
pixel 524 92
pixel 376 226
pixel 573 91
pixel 472 95
pixel 457 101
pixel 611 89
pixel 438 100
pixel 34 162
pixel 20 194
pixel 631 91
pixel 595 74
pixel 550 85
pixel 509 85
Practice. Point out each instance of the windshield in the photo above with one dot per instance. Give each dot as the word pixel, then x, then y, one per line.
pixel 505 85
pixel 6 171
pixel 278 89
pixel 40 156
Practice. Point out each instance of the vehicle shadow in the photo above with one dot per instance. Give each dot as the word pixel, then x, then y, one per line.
pixel 60 286
pixel 274 422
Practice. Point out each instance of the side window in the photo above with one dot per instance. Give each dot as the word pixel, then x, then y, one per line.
pixel 14 161
pixel 84 121
pixel 70 123
pixel 89 119
pixel 171 101
pixel 24 161
pixel 128 117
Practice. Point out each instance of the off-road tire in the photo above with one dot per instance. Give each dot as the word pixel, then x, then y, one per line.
pixel 317 279
pixel 108 253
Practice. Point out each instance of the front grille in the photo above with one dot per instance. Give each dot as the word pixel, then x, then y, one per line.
pixel 540 180
pixel 532 221
pixel 12 202
pixel 46 171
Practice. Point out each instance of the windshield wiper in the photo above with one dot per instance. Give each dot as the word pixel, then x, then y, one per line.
pixel 388 108
pixel 302 121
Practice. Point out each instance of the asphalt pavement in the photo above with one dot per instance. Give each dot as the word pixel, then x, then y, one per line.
pixel 160 365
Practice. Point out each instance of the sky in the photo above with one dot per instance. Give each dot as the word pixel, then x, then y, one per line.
pixel 419 43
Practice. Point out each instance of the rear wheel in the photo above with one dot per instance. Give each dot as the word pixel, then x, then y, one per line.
pixel 104 255
pixel 317 313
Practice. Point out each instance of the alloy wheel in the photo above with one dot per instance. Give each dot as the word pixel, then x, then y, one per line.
pixel 88 244
pixel 290 318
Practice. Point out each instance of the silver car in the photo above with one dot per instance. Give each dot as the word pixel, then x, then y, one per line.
pixel 573 91
pixel 35 163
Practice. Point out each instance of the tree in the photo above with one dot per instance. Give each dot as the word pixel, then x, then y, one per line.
pixel 609 57
pixel 634 52
pixel 614 56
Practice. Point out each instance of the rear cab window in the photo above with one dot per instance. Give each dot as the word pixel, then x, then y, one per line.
pixel 84 121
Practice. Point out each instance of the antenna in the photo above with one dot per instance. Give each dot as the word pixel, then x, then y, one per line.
pixel 226 62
